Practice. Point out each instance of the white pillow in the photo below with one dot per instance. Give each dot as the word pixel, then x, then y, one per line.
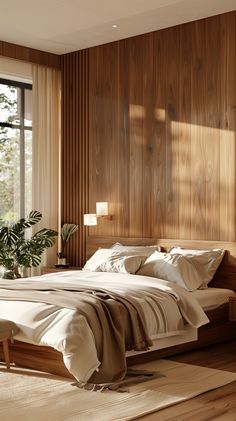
pixel 172 268
pixel 122 264
pixel 110 260
pixel 206 262
pixel 144 250
pixel 93 264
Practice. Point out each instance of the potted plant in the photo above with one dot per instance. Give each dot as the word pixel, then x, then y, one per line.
pixel 67 231
pixel 16 250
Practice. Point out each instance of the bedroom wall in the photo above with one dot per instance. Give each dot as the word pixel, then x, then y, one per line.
pixel 149 126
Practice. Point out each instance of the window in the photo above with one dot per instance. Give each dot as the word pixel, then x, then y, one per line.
pixel 15 149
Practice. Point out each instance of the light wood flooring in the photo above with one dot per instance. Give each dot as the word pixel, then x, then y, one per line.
pixel 216 405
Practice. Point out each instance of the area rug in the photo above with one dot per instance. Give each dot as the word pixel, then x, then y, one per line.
pixel 33 396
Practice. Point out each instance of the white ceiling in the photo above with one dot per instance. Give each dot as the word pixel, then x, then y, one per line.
pixel 62 26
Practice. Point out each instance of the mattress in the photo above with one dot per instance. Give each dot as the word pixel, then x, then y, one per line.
pixel 211 298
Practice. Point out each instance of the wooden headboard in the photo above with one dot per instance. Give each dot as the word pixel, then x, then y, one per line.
pixel 225 276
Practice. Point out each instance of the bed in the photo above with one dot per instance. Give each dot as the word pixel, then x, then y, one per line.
pixel 219 329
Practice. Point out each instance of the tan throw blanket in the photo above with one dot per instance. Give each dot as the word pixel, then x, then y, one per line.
pixel 116 319
pixel 108 315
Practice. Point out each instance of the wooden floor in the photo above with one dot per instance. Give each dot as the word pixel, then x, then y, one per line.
pixel 217 405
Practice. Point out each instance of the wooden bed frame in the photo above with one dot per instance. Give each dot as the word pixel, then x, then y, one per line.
pixel 218 330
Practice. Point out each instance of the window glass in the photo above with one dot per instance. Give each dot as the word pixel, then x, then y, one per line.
pixel 15 149
pixel 28 171
pixel 28 108
pixel 10 104
pixel 9 173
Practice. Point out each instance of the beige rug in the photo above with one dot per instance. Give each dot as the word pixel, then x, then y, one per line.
pixel 28 395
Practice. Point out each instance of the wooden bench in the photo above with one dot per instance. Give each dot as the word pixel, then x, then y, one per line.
pixel 7 330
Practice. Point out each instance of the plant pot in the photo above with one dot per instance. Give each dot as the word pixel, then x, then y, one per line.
pixel 11 273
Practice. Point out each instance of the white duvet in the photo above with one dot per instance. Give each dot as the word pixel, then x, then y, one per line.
pixel 68 332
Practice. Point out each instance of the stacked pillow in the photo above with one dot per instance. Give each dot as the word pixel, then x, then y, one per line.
pixel 191 269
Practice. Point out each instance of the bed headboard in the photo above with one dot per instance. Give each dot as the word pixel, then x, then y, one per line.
pixel 225 276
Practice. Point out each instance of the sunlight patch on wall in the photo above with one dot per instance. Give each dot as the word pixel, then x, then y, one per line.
pixel 137 111
pixel 203 178
pixel 160 114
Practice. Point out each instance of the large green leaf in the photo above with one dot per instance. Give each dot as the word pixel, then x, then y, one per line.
pixel 45 237
pixel 33 218
pixel 8 236
pixel 46 232
pixel 29 260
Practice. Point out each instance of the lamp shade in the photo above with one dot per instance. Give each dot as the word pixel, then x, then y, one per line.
pixel 90 219
pixel 101 208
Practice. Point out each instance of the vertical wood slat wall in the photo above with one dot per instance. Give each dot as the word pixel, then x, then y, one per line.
pixel 159 117
pixel 74 149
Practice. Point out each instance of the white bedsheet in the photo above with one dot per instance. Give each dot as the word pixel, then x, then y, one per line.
pixel 68 332
pixel 211 298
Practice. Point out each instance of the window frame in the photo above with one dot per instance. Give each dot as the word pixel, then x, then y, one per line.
pixel 22 127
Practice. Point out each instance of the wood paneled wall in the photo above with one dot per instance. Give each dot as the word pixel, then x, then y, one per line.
pixel 29 54
pixel 161 141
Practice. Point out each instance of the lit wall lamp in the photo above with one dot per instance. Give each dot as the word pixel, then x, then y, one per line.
pixel 102 209
pixel 90 219
pixel 101 212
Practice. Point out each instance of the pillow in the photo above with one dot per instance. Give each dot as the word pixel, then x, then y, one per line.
pixel 110 260
pixel 122 264
pixel 206 262
pixel 144 250
pixel 93 264
pixel 173 268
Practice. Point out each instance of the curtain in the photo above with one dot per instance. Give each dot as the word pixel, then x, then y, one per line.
pixel 46 152
pixel 15 69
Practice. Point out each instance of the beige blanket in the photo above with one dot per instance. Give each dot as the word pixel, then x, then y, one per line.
pixel 114 315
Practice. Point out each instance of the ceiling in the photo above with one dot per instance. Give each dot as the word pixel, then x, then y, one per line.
pixel 62 26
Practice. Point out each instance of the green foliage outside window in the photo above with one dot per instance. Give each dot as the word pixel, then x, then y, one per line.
pixel 10 175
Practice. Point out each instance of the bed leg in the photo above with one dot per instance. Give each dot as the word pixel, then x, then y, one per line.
pixel 6 352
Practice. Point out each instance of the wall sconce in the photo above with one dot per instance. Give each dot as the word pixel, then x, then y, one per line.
pixel 101 208
pixel 90 219
pixel 101 212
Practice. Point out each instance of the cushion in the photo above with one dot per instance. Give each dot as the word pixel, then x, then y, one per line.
pixel 110 260
pixel 7 329
pixel 205 262
pixel 172 268
pixel 122 264
pixel 144 250
pixel 93 264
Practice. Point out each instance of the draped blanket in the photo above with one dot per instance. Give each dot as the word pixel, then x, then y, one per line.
pixel 107 307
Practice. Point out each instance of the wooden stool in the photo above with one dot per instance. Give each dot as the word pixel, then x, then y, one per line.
pixel 7 330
